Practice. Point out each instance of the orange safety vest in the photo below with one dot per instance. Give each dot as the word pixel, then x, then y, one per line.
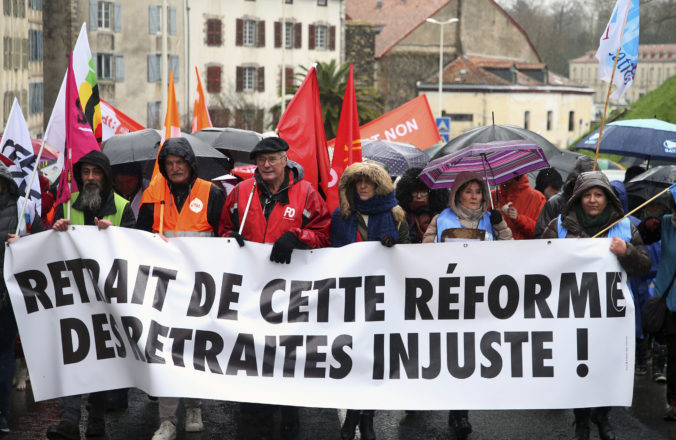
pixel 192 220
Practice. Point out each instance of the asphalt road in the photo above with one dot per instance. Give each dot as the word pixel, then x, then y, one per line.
pixel 222 421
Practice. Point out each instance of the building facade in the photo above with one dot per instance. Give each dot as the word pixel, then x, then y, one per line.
pixel 656 64
pixel 480 91
pixel 22 55
pixel 126 45
pixel 243 48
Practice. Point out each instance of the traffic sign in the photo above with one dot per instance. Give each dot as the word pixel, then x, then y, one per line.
pixel 444 128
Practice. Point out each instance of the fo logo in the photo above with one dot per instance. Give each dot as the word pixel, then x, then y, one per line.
pixel 289 213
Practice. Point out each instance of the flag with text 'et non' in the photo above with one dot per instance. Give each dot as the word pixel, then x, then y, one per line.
pixel 80 138
pixel 302 127
pixel 200 112
pixel 621 32
pixel 16 145
pixel 347 149
pixel 172 128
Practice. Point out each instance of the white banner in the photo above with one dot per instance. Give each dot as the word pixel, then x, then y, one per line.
pixel 497 325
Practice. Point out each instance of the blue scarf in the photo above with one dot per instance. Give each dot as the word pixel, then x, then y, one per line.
pixel 381 221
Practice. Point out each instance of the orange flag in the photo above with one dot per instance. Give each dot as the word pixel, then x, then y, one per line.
pixel 347 149
pixel 302 127
pixel 200 118
pixel 172 128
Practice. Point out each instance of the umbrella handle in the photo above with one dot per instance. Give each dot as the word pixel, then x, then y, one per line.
pixel 246 211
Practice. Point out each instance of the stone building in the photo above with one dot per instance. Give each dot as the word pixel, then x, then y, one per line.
pixel 126 45
pixel 481 90
pixel 407 47
pixel 22 55
pixel 656 64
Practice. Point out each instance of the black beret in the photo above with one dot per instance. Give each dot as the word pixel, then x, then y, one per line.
pixel 269 145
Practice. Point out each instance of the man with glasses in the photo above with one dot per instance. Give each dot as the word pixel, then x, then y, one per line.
pixel 276 206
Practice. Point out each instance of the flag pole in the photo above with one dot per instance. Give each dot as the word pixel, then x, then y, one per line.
pixel 610 85
pixel 634 210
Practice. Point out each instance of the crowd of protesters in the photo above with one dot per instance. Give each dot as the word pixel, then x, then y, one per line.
pixel 372 208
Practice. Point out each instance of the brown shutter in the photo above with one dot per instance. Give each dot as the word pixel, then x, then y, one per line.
pixel 214 79
pixel 239 81
pixel 278 34
pixel 239 33
pixel 311 37
pixel 288 76
pixel 332 38
pixel 261 79
pixel 261 34
pixel 260 113
pixel 298 39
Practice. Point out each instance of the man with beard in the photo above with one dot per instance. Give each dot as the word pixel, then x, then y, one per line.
pixel 96 205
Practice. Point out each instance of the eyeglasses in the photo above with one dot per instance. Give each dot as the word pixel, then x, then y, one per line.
pixel 260 160
pixel 420 192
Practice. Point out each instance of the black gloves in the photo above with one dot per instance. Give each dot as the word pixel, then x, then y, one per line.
pixel 496 216
pixel 238 237
pixel 387 241
pixel 650 230
pixel 281 250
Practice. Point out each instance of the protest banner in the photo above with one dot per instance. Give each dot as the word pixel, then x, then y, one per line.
pixel 476 325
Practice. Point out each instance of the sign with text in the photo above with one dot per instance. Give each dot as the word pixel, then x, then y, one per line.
pixel 424 326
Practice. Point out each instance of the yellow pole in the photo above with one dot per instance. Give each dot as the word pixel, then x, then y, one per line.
pixel 633 211
pixel 605 109
pixel 161 216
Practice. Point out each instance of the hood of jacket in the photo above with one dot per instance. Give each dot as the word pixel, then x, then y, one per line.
pixel 512 187
pixel 373 172
pixel 460 180
pixel 8 182
pixel 590 179
pixel 409 181
pixel 582 165
pixel 178 147
pixel 97 158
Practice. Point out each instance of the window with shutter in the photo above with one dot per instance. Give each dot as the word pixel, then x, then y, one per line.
pixel 214 28
pixel 214 79
pixel 104 68
pixel 248 81
pixel 288 35
pixel 104 11
pixel 320 37
pixel 249 33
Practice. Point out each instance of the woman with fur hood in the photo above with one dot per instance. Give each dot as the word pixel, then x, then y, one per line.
pixel 368 211
pixel 419 202
pixel 592 207
pixel 467 218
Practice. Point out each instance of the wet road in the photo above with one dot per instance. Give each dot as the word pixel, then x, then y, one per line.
pixel 222 421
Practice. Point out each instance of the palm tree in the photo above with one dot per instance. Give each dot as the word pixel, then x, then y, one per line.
pixel 332 80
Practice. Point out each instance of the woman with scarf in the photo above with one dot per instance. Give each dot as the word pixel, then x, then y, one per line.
pixel 592 207
pixel 368 211
pixel 467 218
pixel 419 202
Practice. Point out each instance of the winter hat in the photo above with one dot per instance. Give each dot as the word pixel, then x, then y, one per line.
pixel 269 145
pixel 548 177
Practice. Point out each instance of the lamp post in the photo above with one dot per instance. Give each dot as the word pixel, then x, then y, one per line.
pixel 441 50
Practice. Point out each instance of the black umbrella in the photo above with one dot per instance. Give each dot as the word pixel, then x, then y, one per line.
pixel 650 183
pixel 562 160
pixel 127 152
pixel 233 142
pixel 396 156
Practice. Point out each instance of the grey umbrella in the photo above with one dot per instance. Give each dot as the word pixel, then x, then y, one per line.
pixel 650 183
pixel 130 152
pixel 396 156
pixel 233 142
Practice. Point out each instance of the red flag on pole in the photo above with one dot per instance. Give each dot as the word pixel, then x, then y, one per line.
pixel 200 112
pixel 80 138
pixel 302 127
pixel 347 149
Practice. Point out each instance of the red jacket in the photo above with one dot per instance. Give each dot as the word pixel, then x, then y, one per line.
pixel 527 201
pixel 306 214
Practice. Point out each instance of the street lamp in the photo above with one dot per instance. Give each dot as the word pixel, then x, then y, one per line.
pixel 441 50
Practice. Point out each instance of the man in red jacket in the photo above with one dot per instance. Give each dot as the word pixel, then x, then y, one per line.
pixel 520 205
pixel 276 206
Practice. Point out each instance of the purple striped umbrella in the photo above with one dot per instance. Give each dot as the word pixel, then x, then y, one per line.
pixel 497 161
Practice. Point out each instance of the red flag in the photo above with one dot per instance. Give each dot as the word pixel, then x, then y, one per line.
pixel 80 138
pixel 115 122
pixel 200 118
pixel 347 149
pixel 302 127
pixel 172 128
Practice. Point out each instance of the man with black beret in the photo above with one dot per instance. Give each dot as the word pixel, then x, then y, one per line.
pixel 276 206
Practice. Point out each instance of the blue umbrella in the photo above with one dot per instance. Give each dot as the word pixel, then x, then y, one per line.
pixel 644 138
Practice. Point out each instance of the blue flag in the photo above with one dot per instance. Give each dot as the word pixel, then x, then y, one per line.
pixel 672 188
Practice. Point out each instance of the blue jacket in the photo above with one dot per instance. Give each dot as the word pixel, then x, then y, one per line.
pixel 667 266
